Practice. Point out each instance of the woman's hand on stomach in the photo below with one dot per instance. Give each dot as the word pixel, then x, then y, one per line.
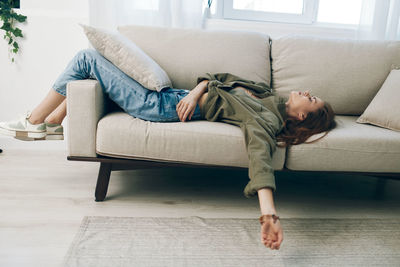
pixel 186 107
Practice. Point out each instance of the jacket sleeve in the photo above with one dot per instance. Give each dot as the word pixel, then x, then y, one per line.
pixel 221 77
pixel 209 77
pixel 260 145
pixel 228 81
pixel 217 80
pixel 206 76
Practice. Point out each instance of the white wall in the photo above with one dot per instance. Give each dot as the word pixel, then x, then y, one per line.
pixel 52 37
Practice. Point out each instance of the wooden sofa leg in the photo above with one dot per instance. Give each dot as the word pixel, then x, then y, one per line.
pixel 102 181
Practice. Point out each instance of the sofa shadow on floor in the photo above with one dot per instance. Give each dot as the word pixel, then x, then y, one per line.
pixel 209 182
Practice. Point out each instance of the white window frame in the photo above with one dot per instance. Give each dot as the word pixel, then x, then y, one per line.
pixel 225 10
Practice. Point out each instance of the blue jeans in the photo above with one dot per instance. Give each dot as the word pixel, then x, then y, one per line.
pixel 127 93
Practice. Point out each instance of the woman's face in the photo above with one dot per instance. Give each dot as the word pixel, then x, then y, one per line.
pixel 301 103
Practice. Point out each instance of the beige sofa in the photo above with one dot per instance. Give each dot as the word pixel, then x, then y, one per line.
pixel 346 73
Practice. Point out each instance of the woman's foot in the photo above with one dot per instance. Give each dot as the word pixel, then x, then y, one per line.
pixel 23 129
pixel 55 131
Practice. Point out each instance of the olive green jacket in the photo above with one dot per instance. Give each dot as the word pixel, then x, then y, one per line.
pixel 259 119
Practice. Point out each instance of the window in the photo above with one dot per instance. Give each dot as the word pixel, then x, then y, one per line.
pixel 145 5
pixel 339 11
pixel 270 10
pixel 14 3
pixel 342 12
pixel 286 6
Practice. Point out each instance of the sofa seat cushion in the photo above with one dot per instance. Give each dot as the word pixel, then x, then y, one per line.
pixel 350 146
pixel 200 142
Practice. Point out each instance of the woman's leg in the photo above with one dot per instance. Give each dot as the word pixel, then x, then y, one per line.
pixel 58 115
pixel 47 106
pixel 131 96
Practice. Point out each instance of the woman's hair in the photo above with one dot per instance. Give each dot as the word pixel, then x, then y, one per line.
pixel 296 132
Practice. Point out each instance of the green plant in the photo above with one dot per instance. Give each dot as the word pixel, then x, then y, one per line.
pixel 9 16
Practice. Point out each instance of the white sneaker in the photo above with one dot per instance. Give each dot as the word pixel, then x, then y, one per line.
pixel 54 131
pixel 22 129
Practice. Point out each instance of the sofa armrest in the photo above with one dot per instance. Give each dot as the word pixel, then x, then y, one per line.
pixel 85 107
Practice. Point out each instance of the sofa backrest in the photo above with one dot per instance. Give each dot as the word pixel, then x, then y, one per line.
pixel 186 54
pixel 346 73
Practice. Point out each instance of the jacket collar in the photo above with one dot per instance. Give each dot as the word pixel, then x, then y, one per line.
pixel 280 101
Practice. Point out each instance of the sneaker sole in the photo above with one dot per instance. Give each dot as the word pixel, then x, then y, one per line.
pixel 23 134
pixel 47 137
pixel 54 137
pixel 29 138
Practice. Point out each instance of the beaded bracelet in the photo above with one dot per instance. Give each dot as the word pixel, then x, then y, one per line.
pixel 264 217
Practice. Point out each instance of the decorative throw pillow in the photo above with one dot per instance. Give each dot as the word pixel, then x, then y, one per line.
pixel 128 57
pixel 384 109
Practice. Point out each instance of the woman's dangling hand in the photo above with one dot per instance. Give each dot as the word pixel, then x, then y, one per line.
pixel 271 233
pixel 186 107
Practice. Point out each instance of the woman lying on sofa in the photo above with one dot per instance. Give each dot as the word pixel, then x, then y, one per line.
pixel 263 117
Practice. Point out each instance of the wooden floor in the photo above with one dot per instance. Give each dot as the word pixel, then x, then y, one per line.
pixel 43 198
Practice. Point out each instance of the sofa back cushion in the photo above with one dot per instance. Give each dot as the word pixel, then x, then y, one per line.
pixel 186 54
pixel 346 73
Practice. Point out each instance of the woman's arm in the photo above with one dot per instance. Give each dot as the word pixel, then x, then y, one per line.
pixel 266 200
pixel 199 90
pixel 271 232
pixel 187 105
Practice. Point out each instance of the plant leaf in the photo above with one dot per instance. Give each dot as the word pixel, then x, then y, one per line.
pixel 17 32
pixel 9 17
pixel 6 26
pixel 20 18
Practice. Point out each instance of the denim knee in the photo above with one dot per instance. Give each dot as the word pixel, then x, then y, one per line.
pixel 88 52
pixel 70 73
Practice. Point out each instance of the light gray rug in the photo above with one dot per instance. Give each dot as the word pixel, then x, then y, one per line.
pixel 196 241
